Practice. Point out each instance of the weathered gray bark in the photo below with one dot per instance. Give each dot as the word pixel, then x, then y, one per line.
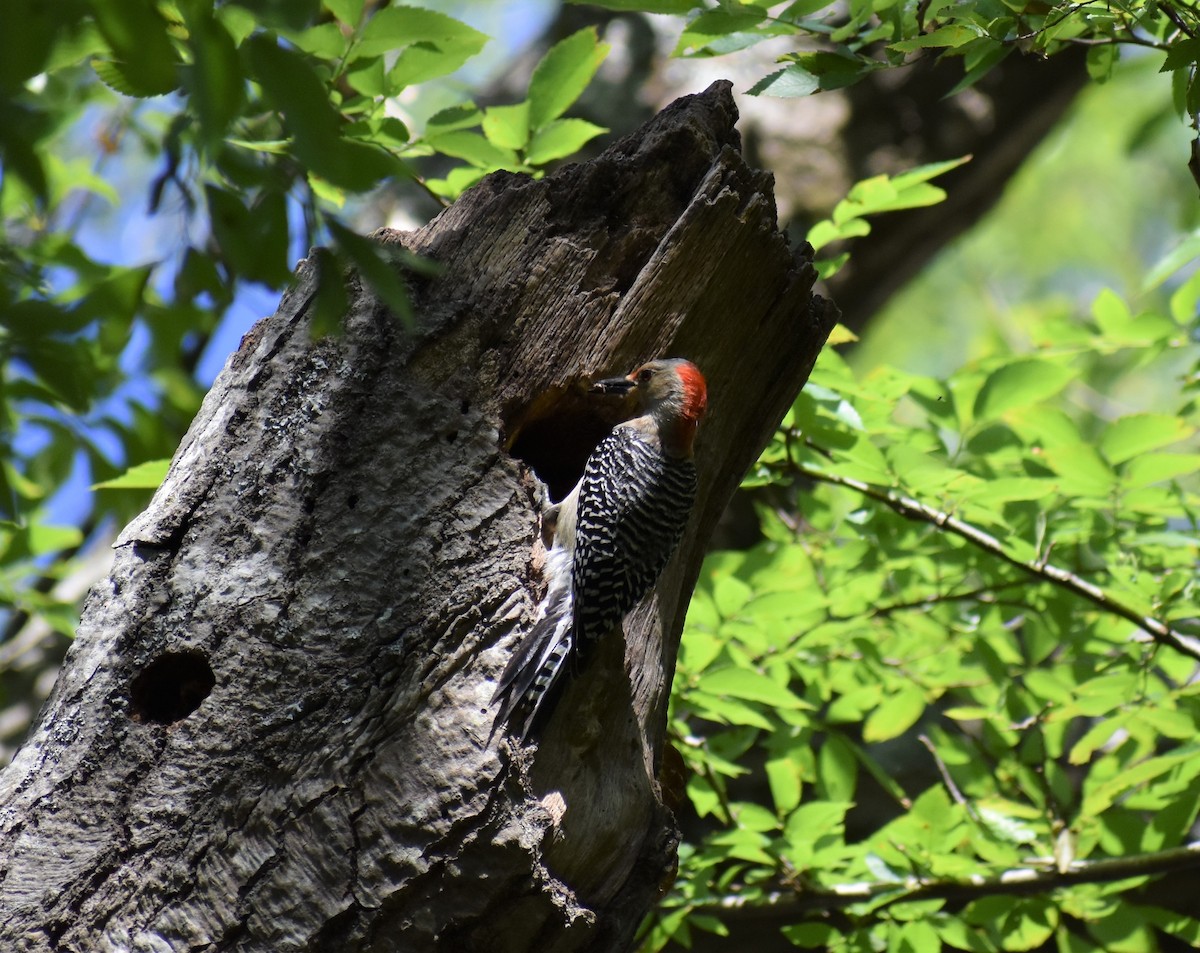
pixel 271 731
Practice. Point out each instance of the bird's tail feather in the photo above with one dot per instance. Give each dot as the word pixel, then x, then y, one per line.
pixel 529 685
pixel 526 687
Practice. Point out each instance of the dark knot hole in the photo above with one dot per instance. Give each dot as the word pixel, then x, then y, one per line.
pixel 556 432
pixel 171 687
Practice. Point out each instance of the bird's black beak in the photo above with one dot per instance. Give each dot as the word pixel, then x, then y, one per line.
pixel 614 386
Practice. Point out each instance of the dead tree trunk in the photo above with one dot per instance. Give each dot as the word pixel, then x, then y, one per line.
pixel 270 733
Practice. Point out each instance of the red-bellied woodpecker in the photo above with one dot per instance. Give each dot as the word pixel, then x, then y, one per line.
pixel 611 536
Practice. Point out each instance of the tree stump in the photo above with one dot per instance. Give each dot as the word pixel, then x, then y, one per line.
pixel 271 732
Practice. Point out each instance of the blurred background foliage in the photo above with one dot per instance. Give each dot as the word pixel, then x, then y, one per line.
pixel 948 643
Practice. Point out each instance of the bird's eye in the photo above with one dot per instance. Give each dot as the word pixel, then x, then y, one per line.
pixel 644 375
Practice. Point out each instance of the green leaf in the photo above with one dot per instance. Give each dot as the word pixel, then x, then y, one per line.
pixel 895 715
pixel 835 69
pixel 740 844
pixel 752 686
pixel 810 822
pixel 883 194
pixel 754 817
pixel 141 476
pixel 1102 796
pixel 854 703
pixel 1110 311
pixel 1094 738
pixel 563 74
pixel 642 6
pixel 393 27
pixel 561 138
pixel 717 23
pixel 1101 61
pixel 214 82
pixel 703 796
pixel 1120 326
pixel 1156 467
pixel 916 936
pixel 294 88
pixel 369 77
pixel 1004 826
pixel 253 241
pixel 1019 384
pixel 10 505
pixel 1181 54
pixel 112 73
pixel 1184 298
pixel 791 81
pixel 326 192
pixel 69 368
pixel 1105 694
pixel 329 304
pixel 729 594
pixel 1008 490
pixel 507 126
pixel 827 231
pixel 386 131
pixel 784 778
pixel 1080 467
pixel 288 14
pixel 702 921
pixel 28 31
pixel 325 41
pixel 144 59
pixel 474 148
pixel 44 538
pixel 828 267
pixel 348 11
pixel 951 35
pixel 1187 251
pixel 980 60
pixel 1138 433
pixel 456 181
pixel 239 22
pixel 1186 927
pixel 837 768
pixel 463 116
pixel 18 126
pixel 923 173
pixel 374 262
pixel 809 935
pixel 1019 924
pixel 424 61
pixel 729 711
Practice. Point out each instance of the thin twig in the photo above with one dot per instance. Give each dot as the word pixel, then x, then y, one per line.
pixel 1173 15
pixel 1063 16
pixel 949 781
pixel 984 594
pixel 915 510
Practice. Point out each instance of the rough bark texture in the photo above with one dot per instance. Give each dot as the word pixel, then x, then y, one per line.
pixel 271 732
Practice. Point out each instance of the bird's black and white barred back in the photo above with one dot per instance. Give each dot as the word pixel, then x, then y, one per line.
pixel 613 535
pixel 634 502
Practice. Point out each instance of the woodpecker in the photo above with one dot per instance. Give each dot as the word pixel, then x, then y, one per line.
pixel 610 538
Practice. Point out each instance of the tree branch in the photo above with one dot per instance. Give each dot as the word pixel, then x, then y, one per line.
pixel 913 509
pixel 1039 877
